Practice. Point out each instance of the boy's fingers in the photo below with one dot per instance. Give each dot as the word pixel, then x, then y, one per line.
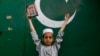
pixel 67 16
pixel 27 16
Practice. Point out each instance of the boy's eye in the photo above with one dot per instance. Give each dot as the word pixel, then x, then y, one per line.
pixel 45 37
pixel 48 37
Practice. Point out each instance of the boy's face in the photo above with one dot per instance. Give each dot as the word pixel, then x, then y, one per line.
pixel 48 38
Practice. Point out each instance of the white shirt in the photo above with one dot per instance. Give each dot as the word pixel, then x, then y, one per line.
pixel 47 50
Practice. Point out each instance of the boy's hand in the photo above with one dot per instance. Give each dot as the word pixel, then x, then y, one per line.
pixel 28 17
pixel 67 16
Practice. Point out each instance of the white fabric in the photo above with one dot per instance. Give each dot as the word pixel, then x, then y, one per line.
pixel 47 30
pixel 50 50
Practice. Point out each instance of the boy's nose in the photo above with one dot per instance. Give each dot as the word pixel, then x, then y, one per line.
pixel 48 38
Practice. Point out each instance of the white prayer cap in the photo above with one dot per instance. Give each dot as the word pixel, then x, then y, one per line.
pixel 47 30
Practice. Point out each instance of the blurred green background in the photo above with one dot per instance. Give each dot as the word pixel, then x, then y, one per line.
pixel 82 35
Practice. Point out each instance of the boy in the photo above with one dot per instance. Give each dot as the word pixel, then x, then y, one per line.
pixel 49 48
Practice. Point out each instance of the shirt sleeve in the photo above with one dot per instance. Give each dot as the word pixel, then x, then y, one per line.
pixel 36 40
pixel 59 39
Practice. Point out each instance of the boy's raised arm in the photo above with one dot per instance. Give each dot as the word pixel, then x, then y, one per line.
pixel 33 33
pixel 67 16
pixel 59 38
pixel 31 24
